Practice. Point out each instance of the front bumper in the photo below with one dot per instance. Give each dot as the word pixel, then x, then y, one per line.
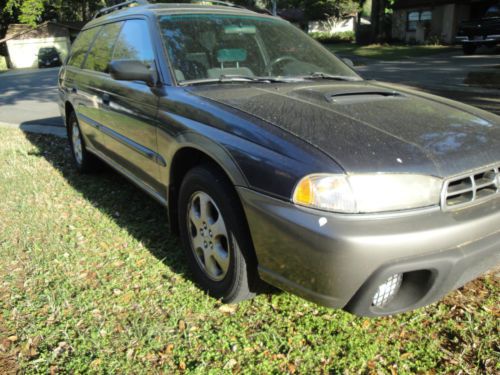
pixel 339 260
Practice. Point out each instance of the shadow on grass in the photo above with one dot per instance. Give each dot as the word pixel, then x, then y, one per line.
pixel 132 209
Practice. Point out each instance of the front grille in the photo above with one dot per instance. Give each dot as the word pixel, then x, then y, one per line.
pixel 465 190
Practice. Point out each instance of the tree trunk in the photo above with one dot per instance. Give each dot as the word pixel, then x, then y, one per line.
pixel 378 21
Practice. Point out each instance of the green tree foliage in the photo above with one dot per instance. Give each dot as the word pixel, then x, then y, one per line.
pixel 325 9
pixel 33 12
pixel 30 11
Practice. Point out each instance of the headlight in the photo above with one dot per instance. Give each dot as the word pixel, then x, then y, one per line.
pixel 364 193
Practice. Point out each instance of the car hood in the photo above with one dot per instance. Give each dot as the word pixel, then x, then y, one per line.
pixel 372 127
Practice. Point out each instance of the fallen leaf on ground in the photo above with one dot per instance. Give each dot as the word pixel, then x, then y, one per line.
pixel 228 309
pixel 230 364
pixel 182 325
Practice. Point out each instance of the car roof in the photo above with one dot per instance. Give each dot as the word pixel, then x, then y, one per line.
pixel 172 8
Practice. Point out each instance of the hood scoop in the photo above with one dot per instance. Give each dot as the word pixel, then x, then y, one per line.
pixel 360 95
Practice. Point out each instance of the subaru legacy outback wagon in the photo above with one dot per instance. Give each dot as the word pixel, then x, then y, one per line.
pixel 277 163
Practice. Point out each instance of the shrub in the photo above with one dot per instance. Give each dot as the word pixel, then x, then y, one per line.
pixel 433 40
pixel 3 63
pixel 342 37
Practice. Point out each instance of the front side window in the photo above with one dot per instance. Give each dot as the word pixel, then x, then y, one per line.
pixel 208 46
pixel 81 46
pixel 134 43
pixel 99 55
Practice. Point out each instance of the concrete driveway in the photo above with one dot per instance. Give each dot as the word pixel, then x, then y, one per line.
pixel 28 98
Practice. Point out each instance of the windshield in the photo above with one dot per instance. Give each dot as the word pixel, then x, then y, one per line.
pixel 211 47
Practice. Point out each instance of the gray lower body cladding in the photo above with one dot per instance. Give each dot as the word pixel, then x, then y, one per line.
pixel 339 260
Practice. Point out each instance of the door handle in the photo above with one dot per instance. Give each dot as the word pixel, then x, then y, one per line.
pixel 106 99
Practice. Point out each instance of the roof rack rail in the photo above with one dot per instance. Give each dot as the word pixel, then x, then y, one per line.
pixel 125 4
pixel 217 2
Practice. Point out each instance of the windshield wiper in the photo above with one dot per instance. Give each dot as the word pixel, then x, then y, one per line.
pixel 321 75
pixel 229 78
pixel 238 77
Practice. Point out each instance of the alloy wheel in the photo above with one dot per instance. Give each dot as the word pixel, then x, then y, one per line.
pixel 77 143
pixel 208 236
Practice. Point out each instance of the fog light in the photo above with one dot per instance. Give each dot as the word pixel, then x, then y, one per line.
pixel 387 291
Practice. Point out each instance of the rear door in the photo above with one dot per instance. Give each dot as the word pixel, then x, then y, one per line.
pixel 95 83
pixel 133 106
pixel 77 88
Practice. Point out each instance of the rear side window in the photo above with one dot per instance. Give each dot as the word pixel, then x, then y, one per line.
pixel 99 55
pixel 81 46
pixel 134 43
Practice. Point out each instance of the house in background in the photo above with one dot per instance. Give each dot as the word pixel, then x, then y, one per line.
pixel 24 42
pixel 422 20
pixel 330 26
pixel 333 26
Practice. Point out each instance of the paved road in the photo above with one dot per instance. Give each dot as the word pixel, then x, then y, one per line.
pixel 443 71
pixel 442 74
pixel 29 97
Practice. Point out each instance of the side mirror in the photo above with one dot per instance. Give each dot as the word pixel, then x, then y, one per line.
pixel 132 70
pixel 348 62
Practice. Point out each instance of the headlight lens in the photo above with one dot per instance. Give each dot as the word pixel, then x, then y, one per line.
pixel 365 193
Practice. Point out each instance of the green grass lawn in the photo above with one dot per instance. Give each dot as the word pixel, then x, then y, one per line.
pixel 388 52
pixel 91 281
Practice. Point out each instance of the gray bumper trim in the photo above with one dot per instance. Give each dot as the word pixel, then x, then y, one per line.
pixel 329 261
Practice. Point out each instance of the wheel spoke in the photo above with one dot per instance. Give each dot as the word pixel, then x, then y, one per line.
pixel 221 256
pixel 198 242
pixel 195 217
pixel 219 228
pixel 204 206
pixel 211 267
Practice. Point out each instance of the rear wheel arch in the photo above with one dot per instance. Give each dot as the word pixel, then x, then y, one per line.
pixel 68 109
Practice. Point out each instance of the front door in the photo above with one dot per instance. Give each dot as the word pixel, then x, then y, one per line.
pixel 133 106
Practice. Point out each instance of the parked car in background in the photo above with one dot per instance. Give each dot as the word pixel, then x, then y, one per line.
pixel 276 162
pixel 481 32
pixel 48 57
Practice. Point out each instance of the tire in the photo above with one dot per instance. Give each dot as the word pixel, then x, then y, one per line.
pixel 215 236
pixel 84 161
pixel 468 49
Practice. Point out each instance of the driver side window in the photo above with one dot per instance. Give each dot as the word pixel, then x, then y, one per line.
pixel 134 43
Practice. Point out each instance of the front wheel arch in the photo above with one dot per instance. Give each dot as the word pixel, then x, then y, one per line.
pixel 186 158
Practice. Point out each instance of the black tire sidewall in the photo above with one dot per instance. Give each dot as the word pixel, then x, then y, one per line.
pixel 469 49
